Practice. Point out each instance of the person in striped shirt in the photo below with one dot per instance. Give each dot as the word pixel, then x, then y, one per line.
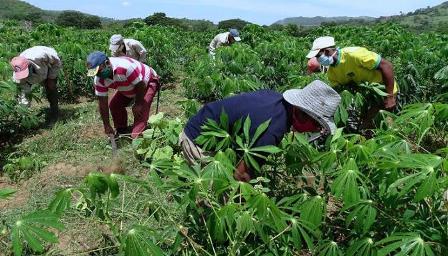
pixel 132 81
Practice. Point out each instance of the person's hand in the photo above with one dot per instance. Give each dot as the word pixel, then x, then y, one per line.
pixel 108 130
pixel 137 110
pixel 389 102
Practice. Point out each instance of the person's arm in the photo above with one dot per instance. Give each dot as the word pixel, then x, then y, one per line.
pixel 140 90
pixel 140 49
pixel 242 172
pixel 213 44
pixel 387 72
pixel 104 112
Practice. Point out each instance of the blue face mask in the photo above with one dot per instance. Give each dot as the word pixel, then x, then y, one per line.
pixel 325 60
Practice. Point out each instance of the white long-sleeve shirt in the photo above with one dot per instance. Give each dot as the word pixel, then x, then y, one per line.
pixel 134 49
pixel 218 41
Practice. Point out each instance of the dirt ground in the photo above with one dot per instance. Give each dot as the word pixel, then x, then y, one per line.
pixel 59 175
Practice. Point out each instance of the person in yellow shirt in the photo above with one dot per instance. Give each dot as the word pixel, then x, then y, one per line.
pixel 352 66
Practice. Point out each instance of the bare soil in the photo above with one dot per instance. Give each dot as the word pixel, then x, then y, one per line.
pixel 57 175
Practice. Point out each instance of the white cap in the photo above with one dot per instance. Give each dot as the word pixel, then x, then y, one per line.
pixel 115 42
pixel 320 43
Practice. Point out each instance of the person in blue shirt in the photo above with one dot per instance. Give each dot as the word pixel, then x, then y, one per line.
pixel 310 109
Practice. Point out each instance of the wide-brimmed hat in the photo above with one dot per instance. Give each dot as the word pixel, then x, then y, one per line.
pixel 20 66
pixel 319 44
pixel 115 42
pixel 317 100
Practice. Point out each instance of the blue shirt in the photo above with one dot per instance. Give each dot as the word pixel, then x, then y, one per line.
pixel 259 105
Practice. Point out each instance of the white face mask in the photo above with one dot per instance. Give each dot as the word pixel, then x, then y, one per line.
pixel 325 60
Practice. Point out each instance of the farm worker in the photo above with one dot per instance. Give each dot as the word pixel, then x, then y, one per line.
pixel 132 48
pixel 133 81
pixel 38 64
pixel 352 66
pixel 226 38
pixel 310 109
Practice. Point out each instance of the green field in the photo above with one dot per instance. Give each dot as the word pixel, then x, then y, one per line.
pixel 62 192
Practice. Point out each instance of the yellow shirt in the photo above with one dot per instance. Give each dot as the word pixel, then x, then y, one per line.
pixel 356 65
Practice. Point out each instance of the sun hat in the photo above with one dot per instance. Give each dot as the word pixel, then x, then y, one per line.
pixel 313 65
pixel 319 44
pixel 235 34
pixel 94 60
pixel 317 100
pixel 115 42
pixel 20 66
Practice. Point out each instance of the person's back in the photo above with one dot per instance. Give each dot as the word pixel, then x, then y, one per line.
pixel 218 41
pixel 354 66
pixel 260 106
pixel 135 49
pixel 41 53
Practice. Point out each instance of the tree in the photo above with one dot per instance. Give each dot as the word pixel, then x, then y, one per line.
pixel 91 22
pixel 160 18
pixel 232 23
pixel 78 20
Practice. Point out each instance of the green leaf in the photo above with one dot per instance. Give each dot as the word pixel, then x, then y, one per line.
pixel 139 243
pixel 404 244
pixel 61 202
pixel 112 183
pixel 427 188
pixel 347 183
pixel 6 192
pixel 379 91
pixel 328 248
pixel 363 247
pixel 312 210
pixel 32 229
pixel 246 129
pixel 267 149
pixel 224 120
pixel 363 214
pixel 260 130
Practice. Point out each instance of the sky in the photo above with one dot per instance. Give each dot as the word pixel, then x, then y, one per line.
pixel 263 12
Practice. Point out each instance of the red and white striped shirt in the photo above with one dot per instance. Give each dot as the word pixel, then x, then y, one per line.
pixel 127 73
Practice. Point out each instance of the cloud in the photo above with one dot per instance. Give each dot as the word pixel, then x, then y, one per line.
pixel 125 3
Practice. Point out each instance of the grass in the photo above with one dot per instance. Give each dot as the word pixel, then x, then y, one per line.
pixel 69 150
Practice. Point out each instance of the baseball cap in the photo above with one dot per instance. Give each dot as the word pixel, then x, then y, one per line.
pixel 115 42
pixel 94 60
pixel 320 43
pixel 235 34
pixel 20 66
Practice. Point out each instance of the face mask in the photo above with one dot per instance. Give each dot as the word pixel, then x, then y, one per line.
pixel 105 73
pixel 306 125
pixel 325 60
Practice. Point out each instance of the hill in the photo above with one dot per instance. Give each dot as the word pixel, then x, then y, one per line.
pixel 20 10
pixel 429 18
pixel 318 20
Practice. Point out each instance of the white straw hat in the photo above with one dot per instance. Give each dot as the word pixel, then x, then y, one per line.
pixel 318 100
